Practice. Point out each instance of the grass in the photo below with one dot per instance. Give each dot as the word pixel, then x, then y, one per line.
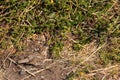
pixel 85 20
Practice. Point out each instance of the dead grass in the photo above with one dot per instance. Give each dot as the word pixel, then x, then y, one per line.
pixel 88 64
pixel 85 32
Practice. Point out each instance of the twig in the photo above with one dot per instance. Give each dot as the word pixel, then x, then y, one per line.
pixel 77 66
pixel 93 53
pixel 103 78
pixel 6 55
pixel 21 66
pixel 104 69
pixel 38 71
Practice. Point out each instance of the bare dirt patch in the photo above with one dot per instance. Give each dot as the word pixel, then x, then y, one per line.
pixel 33 63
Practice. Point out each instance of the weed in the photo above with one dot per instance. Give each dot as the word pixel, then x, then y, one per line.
pixel 86 20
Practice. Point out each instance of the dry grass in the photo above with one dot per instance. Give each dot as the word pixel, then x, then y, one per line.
pixel 85 32
pixel 88 64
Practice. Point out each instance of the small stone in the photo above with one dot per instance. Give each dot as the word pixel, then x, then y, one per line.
pixel 22 72
pixel 36 49
pixel 42 77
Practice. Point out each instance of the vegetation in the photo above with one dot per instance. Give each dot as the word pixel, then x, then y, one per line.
pixel 86 20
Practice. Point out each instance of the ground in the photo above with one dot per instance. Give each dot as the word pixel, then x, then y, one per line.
pixel 33 63
pixel 59 40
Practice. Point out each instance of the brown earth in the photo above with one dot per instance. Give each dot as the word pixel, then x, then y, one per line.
pixel 33 63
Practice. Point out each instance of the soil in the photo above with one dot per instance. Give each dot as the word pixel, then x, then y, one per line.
pixel 33 62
